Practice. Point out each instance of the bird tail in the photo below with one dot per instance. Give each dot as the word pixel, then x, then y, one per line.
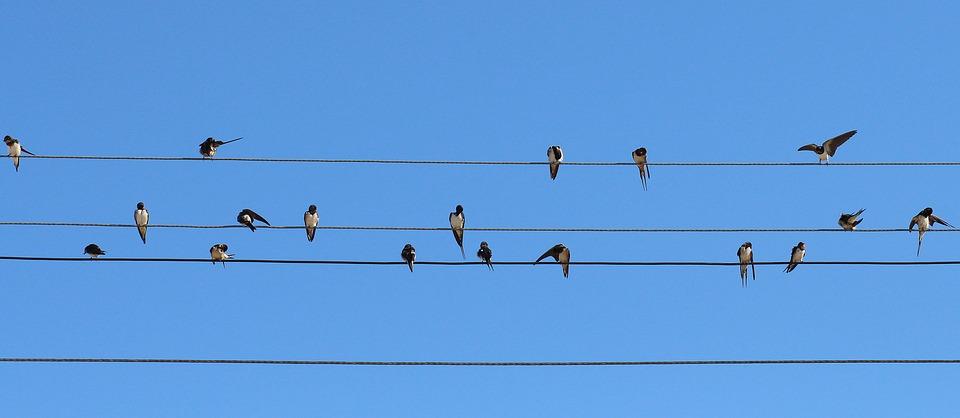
pixel 462 253
pixel 252 228
pixel 410 264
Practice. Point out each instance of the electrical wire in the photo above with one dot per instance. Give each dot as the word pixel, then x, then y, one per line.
pixel 447 229
pixel 478 363
pixel 461 162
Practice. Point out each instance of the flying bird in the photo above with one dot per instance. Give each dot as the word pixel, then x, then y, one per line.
pixel 849 221
pixel 829 147
pixel 310 221
pixel 93 250
pixel 247 216
pixel 555 157
pixel 457 221
pixel 486 254
pixel 14 149
pixel 561 254
pixel 142 218
pixel 923 221
pixel 745 254
pixel 796 256
pixel 218 252
pixel 409 254
pixel 209 147
pixel 640 157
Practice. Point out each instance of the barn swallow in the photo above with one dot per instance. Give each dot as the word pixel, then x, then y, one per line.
pixel 218 252
pixel 829 146
pixel 457 222
pixel 923 221
pixel 555 157
pixel 310 221
pixel 640 157
pixel 409 254
pixel 849 221
pixel 209 147
pixel 796 256
pixel 486 254
pixel 142 218
pixel 561 254
pixel 247 216
pixel 94 251
pixel 745 254
pixel 14 149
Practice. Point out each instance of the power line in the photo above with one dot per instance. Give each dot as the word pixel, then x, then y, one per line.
pixel 462 162
pixel 447 229
pixel 479 363
pixel 475 263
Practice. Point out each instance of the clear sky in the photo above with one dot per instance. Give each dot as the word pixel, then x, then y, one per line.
pixel 691 81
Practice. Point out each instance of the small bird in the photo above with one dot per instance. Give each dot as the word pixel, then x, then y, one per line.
pixel 218 252
pixel 247 216
pixel 486 254
pixel 14 149
pixel 555 157
pixel 923 221
pixel 93 250
pixel 796 256
pixel 829 146
pixel 849 221
pixel 561 254
pixel 310 221
pixel 209 147
pixel 640 157
pixel 745 254
pixel 141 217
pixel 457 222
pixel 409 254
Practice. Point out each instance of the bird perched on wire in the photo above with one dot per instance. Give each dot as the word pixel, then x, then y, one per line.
pixel 849 221
pixel 745 255
pixel 218 252
pixel 247 216
pixel 208 148
pixel 14 149
pixel 457 222
pixel 640 157
pixel 486 254
pixel 554 157
pixel 923 221
pixel 560 254
pixel 93 250
pixel 409 254
pixel 829 147
pixel 141 217
pixel 796 256
pixel 310 221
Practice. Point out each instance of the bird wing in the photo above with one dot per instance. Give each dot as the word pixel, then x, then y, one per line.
pixel 232 140
pixel 831 145
pixel 935 219
pixel 549 253
pixel 913 223
pixel 808 147
pixel 753 267
pixel 25 150
pixel 256 216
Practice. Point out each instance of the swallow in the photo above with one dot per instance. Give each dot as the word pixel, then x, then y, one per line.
pixel 247 216
pixel 310 221
pixel 14 149
pixel 829 147
pixel 94 251
pixel 923 221
pixel 555 157
pixel 409 254
pixel 486 254
pixel 209 147
pixel 849 221
pixel 745 254
pixel 640 157
pixel 218 252
pixel 796 256
pixel 561 254
pixel 457 221
pixel 141 217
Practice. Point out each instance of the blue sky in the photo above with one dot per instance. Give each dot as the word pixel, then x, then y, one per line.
pixel 746 81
